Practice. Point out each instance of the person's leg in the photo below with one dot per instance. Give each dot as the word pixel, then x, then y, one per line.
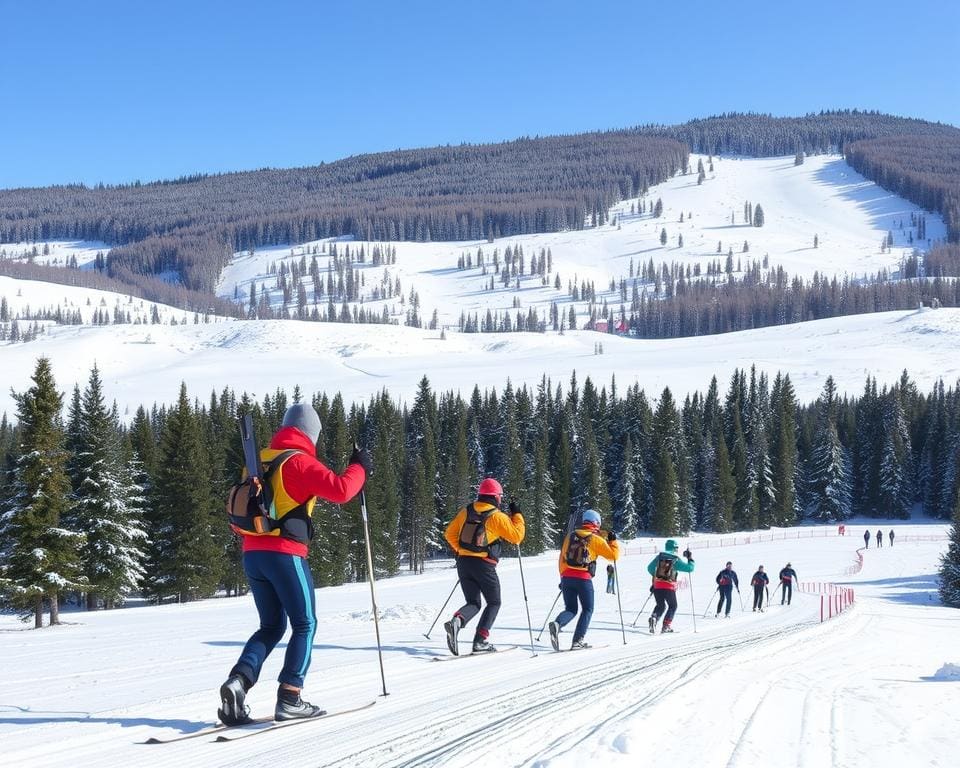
pixel 659 596
pixel 291 577
pixel 671 599
pixel 490 588
pixel 585 589
pixel 569 589
pixel 273 619
pixel 470 586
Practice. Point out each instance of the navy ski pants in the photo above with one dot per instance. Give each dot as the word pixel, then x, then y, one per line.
pixel 726 593
pixel 574 591
pixel 282 588
pixel 479 578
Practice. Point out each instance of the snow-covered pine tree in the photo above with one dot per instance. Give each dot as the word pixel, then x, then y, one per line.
pixel 626 506
pixel 107 503
pixel 895 492
pixel 829 469
pixel 39 558
pixel 950 562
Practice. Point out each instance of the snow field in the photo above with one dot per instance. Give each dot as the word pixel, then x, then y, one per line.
pixel 143 364
pixel 867 688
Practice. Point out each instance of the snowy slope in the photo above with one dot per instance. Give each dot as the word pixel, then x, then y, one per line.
pixel 142 364
pixel 777 688
pixel 823 197
pixel 58 252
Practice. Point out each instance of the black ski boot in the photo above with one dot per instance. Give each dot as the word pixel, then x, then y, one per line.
pixel 291 707
pixel 579 645
pixel 652 623
pixel 232 709
pixel 554 635
pixel 452 627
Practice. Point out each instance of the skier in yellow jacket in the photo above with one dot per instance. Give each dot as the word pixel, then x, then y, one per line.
pixel 476 534
pixel 578 564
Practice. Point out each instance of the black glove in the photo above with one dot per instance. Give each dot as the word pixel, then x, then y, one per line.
pixel 687 554
pixel 611 536
pixel 361 457
pixel 514 509
pixel 651 589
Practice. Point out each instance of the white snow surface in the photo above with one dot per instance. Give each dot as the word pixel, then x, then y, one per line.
pixel 759 689
pixel 59 252
pixel 143 364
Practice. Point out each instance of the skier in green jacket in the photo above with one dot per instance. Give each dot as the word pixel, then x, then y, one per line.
pixel 664 568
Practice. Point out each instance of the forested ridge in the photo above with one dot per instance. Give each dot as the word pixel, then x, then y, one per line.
pixel 148 497
pixel 191 226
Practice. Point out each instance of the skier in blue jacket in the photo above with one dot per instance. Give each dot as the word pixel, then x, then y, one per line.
pixel 726 581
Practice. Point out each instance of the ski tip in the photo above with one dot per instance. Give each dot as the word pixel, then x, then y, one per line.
pixel 220 739
pixel 152 740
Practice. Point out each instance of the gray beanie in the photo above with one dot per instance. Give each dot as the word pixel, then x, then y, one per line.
pixel 304 418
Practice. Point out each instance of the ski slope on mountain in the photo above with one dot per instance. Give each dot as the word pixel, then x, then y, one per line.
pixel 875 686
pixel 823 197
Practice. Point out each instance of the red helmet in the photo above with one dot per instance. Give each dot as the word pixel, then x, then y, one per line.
pixel 489 487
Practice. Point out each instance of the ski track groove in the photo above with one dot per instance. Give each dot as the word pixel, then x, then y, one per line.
pixel 550 701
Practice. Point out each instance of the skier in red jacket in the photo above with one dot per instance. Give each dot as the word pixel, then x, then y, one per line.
pixel 276 565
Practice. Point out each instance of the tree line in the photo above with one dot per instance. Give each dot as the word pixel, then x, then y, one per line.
pixel 98 508
pixel 192 226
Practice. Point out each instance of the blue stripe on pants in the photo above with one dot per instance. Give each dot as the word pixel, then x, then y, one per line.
pixel 282 587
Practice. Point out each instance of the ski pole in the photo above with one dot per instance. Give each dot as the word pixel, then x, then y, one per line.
pixel 616 582
pixel 427 635
pixel 692 606
pixel 640 612
pixel 549 614
pixel 371 579
pixel 742 609
pixel 710 602
pixel 526 602
pixel 775 591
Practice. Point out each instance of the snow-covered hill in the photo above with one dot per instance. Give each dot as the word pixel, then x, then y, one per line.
pixel 146 363
pixel 822 198
pixel 873 687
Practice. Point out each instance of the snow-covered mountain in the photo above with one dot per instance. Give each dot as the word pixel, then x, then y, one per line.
pixel 822 197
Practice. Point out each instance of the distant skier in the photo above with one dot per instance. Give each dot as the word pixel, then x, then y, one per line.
pixel 664 568
pixel 759 582
pixel 277 570
pixel 475 535
pixel 890 537
pixel 787 577
pixel 879 538
pixel 726 581
pixel 578 564
pixel 866 539
pixel 611 580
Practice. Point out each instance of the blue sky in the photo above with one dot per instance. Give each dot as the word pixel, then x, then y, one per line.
pixel 118 91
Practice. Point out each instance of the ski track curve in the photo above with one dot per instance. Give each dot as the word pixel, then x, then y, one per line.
pixel 536 707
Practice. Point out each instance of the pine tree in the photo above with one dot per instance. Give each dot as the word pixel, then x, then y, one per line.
pixel 830 476
pixel 39 558
pixel 184 559
pixel 950 562
pixel 627 516
pixel 665 498
pixel 758 219
pixel 784 454
pixel 107 503
pixel 723 490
